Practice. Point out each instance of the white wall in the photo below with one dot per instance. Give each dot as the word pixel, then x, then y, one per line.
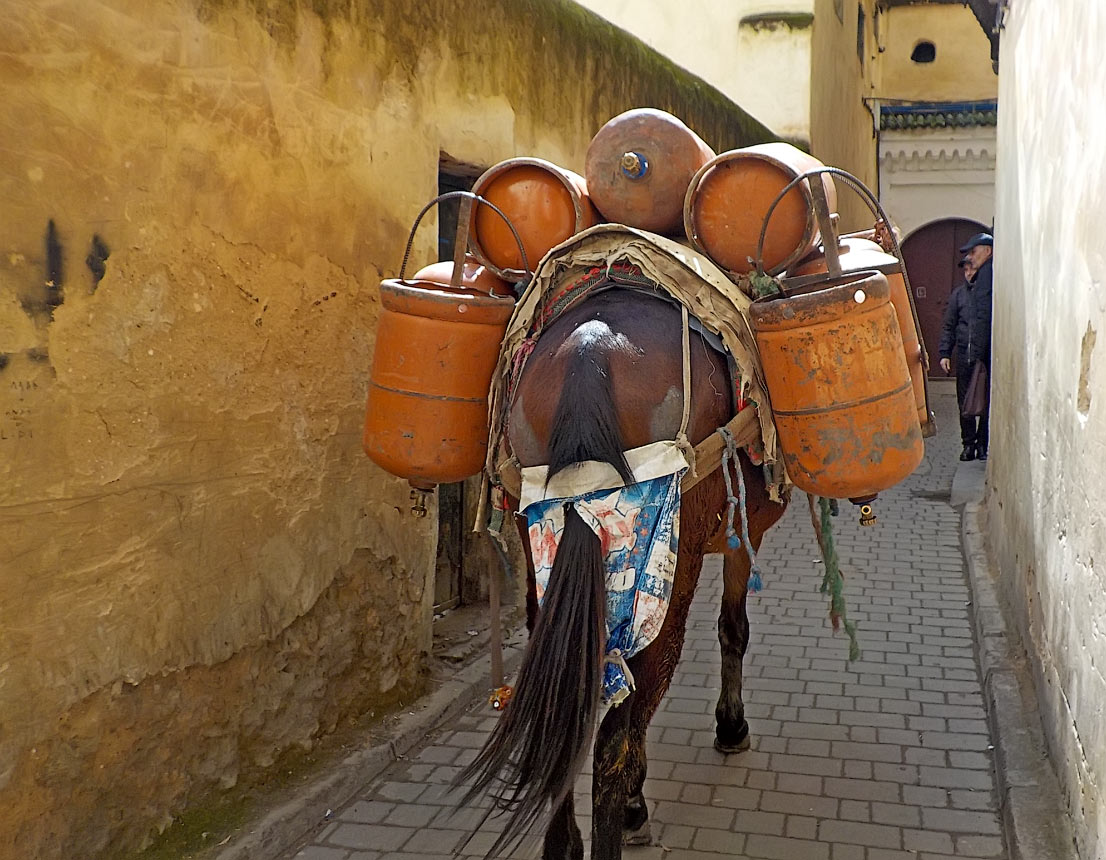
pixel 1047 472
pixel 763 68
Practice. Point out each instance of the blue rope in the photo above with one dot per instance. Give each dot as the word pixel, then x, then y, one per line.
pixel 729 458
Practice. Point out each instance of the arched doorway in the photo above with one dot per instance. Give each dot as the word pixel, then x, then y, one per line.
pixel 931 254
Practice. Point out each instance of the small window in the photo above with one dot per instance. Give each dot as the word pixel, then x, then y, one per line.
pixel 924 52
pixel 860 21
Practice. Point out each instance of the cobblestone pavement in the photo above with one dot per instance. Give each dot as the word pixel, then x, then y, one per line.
pixel 884 758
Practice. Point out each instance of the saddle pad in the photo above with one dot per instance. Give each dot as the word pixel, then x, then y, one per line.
pixel 719 304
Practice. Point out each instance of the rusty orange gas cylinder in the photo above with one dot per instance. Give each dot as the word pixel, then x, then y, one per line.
pixel 839 387
pixel 436 350
pixel 858 254
pixel 546 203
pixel 638 168
pixel 729 198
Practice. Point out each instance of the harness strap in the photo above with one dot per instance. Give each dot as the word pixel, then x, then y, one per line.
pixel 743 427
pixel 681 437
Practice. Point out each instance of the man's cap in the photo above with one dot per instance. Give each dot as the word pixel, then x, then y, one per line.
pixel 977 239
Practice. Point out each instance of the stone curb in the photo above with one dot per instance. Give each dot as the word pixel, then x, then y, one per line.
pixel 1034 816
pixel 281 828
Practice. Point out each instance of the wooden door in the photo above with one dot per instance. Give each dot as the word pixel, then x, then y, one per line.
pixel 931 255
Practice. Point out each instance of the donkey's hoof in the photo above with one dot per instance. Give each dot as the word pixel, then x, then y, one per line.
pixel 642 836
pixel 733 742
pixel 741 746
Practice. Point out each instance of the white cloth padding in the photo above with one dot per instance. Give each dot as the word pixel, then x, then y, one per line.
pixel 647 462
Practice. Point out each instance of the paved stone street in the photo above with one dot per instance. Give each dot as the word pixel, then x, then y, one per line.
pixel 888 757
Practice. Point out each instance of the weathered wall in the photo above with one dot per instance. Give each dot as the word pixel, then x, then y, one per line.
pixel 961 70
pixel 200 569
pixel 757 52
pixel 849 82
pixel 927 174
pixel 1047 471
pixel 842 131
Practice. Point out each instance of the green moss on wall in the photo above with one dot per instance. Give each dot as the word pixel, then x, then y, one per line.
pixel 525 50
pixel 776 20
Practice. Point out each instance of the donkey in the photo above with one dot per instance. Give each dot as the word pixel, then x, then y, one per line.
pixel 607 376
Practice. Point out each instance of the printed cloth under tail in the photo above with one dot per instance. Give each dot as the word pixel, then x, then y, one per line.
pixel 638 526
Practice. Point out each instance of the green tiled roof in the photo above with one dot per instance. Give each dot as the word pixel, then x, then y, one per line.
pixel 941 115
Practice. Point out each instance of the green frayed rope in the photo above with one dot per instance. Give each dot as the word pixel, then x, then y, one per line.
pixel 760 284
pixel 833 582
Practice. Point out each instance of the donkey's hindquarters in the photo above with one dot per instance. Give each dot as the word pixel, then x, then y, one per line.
pixel 605 377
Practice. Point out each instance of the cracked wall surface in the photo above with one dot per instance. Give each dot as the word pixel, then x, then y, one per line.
pixel 199 569
pixel 1047 467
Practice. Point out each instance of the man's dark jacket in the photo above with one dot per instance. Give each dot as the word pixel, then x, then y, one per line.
pixel 967 324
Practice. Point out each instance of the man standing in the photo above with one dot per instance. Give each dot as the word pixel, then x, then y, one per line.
pixel 967 333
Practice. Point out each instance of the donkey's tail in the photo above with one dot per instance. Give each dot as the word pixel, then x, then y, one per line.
pixel 538 746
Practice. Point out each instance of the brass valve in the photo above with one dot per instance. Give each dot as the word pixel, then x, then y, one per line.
pixel 419 498
pixel 500 697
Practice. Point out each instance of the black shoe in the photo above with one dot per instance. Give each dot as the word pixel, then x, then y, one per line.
pixel 967 454
pixel 981 454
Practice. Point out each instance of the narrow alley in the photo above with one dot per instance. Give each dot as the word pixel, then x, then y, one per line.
pixel 888 757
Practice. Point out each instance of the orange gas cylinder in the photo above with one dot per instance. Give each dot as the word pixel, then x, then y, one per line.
pixel 839 387
pixel 546 203
pixel 638 168
pixel 436 350
pixel 858 254
pixel 473 276
pixel 729 198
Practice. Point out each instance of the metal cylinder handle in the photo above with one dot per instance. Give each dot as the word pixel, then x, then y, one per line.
pixel 819 201
pixel 462 230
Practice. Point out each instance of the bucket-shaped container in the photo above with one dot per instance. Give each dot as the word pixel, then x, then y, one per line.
pixel 729 198
pixel 857 254
pixel 437 345
pixel 839 386
pixel 436 350
pixel 638 168
pixel 546 203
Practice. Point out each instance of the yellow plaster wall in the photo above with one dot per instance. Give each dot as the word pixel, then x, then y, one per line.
pixel 841 129
pixel 962 68
pixel 199 569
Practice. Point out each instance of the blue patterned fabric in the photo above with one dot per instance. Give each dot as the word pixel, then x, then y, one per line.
pixel 639 530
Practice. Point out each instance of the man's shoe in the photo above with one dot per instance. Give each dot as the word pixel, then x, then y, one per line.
pixel 967 454
pixel 981 454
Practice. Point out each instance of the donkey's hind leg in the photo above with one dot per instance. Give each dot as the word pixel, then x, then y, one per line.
pixel 614 766
pixel 635 819
pixel 620 814
pixel 562 838
pixel 731 727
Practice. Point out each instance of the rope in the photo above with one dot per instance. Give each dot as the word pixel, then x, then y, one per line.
pixel 617 658
pixel 833 581
pixel 739 502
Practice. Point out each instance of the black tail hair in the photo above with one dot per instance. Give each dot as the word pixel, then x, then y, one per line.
pixel 585 426
pixel 538 746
